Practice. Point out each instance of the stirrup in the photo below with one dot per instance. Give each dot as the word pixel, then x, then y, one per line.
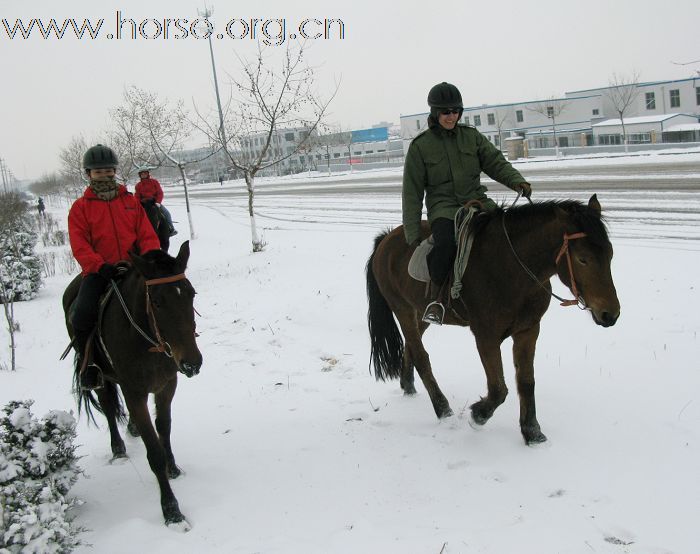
pixel 88 384
pixel 434 313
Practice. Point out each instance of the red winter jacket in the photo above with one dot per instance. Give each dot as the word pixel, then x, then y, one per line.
pixel 103 231
pixel 148 188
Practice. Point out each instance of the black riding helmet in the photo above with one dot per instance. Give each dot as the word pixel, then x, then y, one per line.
pixel 99 157
pixel 443 96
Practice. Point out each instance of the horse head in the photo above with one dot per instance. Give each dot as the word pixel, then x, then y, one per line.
pixel 584 260
pixel 169 304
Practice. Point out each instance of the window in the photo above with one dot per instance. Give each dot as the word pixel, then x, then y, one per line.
pixel 357 153
pixel 336 154
pixel 477 121
pixel 417 125
pixel 595 111
pixel 697 95
pixel 369 152
pixel 466 117
pixel 497 140
pixel 491 119
pixel 289 137
pixel 519 116
pixel 550 112
pixel 563 142
pixel 650 101
pixel 675 95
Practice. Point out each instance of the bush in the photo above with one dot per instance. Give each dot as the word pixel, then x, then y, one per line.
pixel 20 268
pixel 38 467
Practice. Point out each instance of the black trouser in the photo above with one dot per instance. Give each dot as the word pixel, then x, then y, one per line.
pixel 84 310
pixel 442 256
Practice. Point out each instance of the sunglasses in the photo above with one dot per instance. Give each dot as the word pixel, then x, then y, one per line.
pixel 448 111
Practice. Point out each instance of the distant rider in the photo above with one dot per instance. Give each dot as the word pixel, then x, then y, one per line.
pixel 149 190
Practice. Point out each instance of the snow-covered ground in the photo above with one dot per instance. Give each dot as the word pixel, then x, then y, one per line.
pixel 290 446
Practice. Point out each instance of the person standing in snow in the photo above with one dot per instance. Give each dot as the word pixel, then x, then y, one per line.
pixel 104 225
pixel 443 166
pixel 149 190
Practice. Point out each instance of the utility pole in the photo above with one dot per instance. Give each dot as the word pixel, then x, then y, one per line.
pixel 206 14
pixel 2 172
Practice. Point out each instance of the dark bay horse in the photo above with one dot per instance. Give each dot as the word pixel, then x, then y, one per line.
pixel 160 226
pixel 144 350
pixel 498 299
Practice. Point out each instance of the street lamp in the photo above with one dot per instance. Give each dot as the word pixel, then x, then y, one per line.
pixel 206 14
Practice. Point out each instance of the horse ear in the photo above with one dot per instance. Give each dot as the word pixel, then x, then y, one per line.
pixel 184 254
pixel 139 263
pixel 594 205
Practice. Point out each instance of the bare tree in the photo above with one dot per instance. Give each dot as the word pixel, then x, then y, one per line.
pixel 502 118
pixel 622 93
pixel 72 170
pixel 277 111
pixel 12 209
pixel 551 108
pixel 152 132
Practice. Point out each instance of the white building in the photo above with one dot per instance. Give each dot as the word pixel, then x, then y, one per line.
pixel 573 116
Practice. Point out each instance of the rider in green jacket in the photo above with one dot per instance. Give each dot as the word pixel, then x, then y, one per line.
pixel 443 166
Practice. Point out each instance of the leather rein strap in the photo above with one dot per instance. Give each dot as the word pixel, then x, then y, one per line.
pixel 565 250
pixel 161 346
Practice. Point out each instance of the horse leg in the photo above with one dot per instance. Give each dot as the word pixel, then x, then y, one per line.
pixel 109 401
pixel 417 353
pixel 407 376
pixel 138 409
pixel 490 354
pixel 524 357
pixel 164 399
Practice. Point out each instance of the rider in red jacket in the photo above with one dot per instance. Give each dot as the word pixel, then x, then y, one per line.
pixel 149 189
pixel 103 226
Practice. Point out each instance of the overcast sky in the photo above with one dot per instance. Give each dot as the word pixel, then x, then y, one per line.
pixel 392 53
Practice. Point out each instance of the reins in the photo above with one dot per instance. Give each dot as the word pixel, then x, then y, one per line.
pixel 158 344
pixel 577 300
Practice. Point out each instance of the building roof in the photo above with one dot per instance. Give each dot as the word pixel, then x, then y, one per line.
pixel 683 127
pixel 641 119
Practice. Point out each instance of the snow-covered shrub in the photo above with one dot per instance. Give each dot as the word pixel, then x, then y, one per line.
pixel 20 267
pixel 38 467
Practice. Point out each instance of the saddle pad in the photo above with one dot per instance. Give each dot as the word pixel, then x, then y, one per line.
pixel 418 264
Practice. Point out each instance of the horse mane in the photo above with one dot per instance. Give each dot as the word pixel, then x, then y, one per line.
pixel 584 218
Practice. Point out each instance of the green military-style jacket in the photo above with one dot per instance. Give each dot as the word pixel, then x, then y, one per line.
pixel 445 167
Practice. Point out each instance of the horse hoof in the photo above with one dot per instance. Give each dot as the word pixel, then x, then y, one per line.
pixel 478 418
pixel 410 390
pixel 119 456
pixel 182 525
pixel 174 472
pixel 534 437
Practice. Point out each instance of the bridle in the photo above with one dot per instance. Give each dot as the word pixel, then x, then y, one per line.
pixel 158 344
pixel 577 300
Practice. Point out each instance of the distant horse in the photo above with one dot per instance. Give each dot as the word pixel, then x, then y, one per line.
pixel 505 293
pixel 148 335
pixel 160 226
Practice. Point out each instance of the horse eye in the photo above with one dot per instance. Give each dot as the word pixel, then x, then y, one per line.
pixel 582 261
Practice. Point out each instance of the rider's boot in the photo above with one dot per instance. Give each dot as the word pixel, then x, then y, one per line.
pixel 90 376
pixel 435 311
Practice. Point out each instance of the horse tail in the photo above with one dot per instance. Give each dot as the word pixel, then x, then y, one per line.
pixel 386 340
pixel 86 400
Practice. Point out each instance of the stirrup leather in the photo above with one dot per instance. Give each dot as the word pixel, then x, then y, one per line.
pixel 434 313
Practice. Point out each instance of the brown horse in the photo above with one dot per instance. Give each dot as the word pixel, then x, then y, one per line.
pixel 148 333
pixel 505 293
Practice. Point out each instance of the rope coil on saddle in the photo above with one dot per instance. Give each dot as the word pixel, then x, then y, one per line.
pixel 465 241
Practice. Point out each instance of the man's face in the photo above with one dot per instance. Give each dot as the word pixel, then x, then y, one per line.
pixel 144 175
pixel 448 117
pixel 102 174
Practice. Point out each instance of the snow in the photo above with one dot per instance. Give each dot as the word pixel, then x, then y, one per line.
pixel 289 445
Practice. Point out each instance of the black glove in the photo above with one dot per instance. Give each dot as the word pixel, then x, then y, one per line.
pixel 525 189
pixel 107 271
pixel 149 202
pixel 415 244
